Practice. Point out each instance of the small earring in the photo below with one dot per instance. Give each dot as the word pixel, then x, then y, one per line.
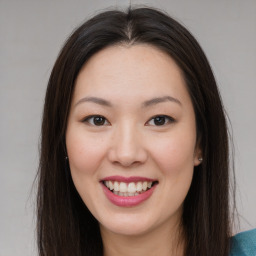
pixel 66 158
pixel 200 159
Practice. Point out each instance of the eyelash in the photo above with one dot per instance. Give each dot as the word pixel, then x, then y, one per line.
pixel 167 120
pixel 88 118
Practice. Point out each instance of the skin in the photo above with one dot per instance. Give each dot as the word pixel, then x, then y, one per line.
pixel 129 143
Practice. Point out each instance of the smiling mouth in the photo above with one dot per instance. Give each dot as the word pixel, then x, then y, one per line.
pixel 129 189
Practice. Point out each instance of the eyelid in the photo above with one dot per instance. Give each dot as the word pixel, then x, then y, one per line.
pixel 170 120
pixel 87 118
pixel 106 122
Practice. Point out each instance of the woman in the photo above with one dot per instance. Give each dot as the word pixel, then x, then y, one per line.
pixel 134 151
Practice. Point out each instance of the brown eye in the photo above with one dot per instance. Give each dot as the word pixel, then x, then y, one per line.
pixel 160 120
pixel 99 120
pixel 96 120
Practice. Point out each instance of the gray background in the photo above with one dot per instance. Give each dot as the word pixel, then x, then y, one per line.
pixel 31 34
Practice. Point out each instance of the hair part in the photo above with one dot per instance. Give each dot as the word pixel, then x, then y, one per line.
pixel 65 226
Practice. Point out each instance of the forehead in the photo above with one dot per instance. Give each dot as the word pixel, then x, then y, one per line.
pixel 138 69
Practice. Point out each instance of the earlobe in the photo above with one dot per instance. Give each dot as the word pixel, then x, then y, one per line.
pixel 198 159
pixel 198 155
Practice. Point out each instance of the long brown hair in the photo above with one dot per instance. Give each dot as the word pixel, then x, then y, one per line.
pixel 64 225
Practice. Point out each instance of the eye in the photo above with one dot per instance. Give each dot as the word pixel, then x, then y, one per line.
pixel 160 120
pixel 96 120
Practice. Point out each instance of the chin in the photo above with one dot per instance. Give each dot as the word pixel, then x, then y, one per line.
pixel 128 226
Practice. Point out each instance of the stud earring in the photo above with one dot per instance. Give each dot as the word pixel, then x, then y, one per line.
pixel 66 158
pixel 200 159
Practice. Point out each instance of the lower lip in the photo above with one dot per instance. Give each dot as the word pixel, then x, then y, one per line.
pixel 127 201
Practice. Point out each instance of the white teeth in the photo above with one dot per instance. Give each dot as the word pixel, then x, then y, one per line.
pixel 125 194
pixel 139 186
pixel 116 186
pixel 123 187
pixel 128 189
pixel 131 187
pixel 144 185
pixel 111 185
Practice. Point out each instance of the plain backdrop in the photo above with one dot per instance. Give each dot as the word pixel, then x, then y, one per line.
pixel 31 35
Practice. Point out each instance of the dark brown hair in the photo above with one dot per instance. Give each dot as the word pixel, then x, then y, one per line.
pixel 65 226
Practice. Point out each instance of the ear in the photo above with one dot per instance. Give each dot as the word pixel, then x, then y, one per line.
pixel 198 154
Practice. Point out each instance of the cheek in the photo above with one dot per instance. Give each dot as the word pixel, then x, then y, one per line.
pixel 174 159
pixel 84 152
pixel 174 155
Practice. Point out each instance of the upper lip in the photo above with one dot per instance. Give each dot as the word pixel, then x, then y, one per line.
pixel 127 179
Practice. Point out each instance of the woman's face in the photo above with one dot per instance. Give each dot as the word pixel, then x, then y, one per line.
pixel 131 139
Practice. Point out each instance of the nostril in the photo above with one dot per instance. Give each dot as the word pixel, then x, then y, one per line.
pixel 127 154
pixel 126 163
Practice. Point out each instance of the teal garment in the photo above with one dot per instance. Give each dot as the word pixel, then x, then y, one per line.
pixel 244 244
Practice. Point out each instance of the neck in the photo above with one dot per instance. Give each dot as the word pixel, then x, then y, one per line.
pixel 165 241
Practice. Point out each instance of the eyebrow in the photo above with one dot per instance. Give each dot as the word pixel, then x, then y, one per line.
pixel 157 100
pixel 96 100
pixel 147 103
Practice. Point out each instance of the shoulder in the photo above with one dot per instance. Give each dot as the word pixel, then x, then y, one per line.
pixel 244 244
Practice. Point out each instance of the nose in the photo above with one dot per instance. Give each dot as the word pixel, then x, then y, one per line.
pixel 127 147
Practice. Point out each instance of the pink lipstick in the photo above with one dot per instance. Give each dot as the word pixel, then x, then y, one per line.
pixel 128 191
